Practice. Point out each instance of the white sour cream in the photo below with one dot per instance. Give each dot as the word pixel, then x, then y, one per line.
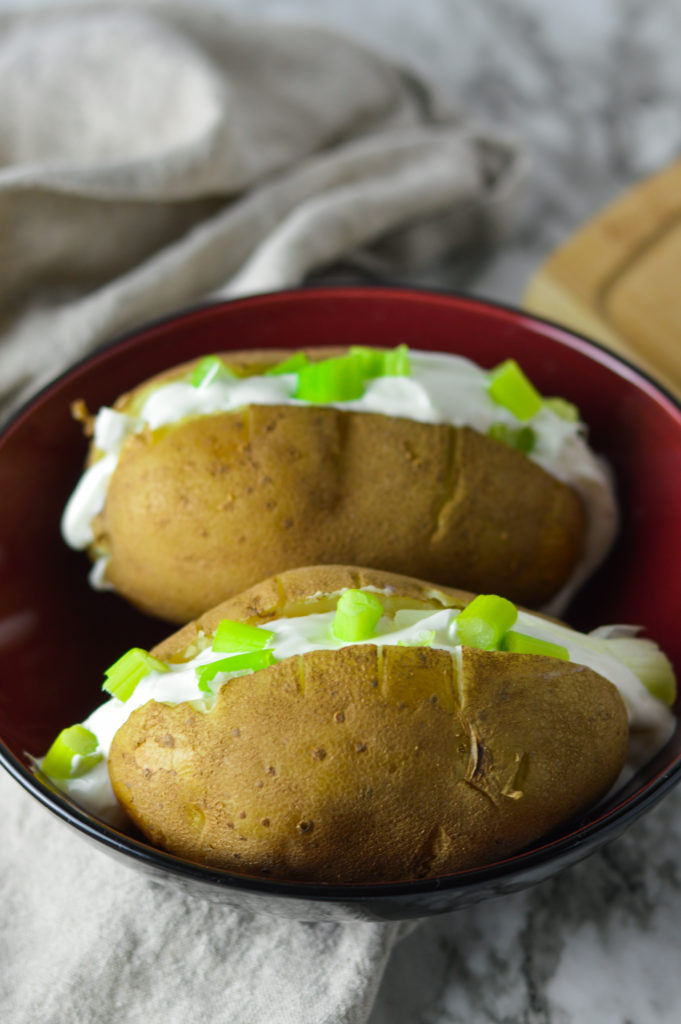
pixel 648 716
pixel 440 389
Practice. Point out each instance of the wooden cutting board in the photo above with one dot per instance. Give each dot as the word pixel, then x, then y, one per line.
pixel 618 279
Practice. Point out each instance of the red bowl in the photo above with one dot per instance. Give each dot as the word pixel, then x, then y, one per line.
pixel 57 636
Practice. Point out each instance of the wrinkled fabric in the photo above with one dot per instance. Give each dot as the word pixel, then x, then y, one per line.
pixel 86 938
pixel 153 157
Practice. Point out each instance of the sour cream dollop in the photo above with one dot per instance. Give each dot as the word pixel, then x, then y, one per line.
pixel 650 720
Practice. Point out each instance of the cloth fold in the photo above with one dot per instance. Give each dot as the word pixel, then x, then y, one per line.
pixel 154 156
pixel 85 938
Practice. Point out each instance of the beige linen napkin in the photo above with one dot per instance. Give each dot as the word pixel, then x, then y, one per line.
pixel 85 939
pixel 154 156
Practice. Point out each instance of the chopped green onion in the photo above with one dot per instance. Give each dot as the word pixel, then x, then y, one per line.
pixel 76 741
pixel 561 407
pixel 484 621
pixel 523 439
pixel 500 432
pixel 251 661
pixel 209 369
pixel 125 674
pixel 521 643
pixel 357 614
pixel 291 365
pixel 662 686
pixel 342 378
pixel 376 362
pixel 238 636
pixel 396 362
pixel 648 662
pixel 339 379
pixel 423 639
pixel 510 387
pixel 371 360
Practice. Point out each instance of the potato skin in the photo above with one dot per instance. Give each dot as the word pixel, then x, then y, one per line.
pixel 361 765
pixel 204 508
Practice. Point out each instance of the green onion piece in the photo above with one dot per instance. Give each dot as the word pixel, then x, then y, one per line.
pixel 251 661
pixel 423 639
pixel 397 362
pixel 376 362
pixel 510 387
pixel 207 370
pixel 500 432
pixel 661 685
pixel 372 360
pixel 74 741
pixel 523 439
pixel 125 674
pixel 291 365
pixel 484 621
pixel 561 407
pixel 339 379
pixel 357 614
pixel 648 662
pixel 238 636
pixel 521 643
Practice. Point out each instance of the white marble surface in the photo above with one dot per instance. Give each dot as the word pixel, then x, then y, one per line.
pixel 592 87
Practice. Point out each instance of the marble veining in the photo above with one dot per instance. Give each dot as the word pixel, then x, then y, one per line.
pixel 592 89
pixel 599 942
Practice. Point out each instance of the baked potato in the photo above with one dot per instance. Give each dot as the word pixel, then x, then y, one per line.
pixel 402 753
pixel 180 513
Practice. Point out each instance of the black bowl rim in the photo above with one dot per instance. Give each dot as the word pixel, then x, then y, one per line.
pixel 605 827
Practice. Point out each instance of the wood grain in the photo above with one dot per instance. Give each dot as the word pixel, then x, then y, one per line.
pixel 618 279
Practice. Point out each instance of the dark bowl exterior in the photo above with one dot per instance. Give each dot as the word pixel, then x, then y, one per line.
pixel 57 636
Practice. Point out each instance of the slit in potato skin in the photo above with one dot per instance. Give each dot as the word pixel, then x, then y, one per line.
pixel 400 771
pixel 440 502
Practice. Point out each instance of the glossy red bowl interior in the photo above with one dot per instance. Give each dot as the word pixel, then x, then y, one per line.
pixel 57 636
